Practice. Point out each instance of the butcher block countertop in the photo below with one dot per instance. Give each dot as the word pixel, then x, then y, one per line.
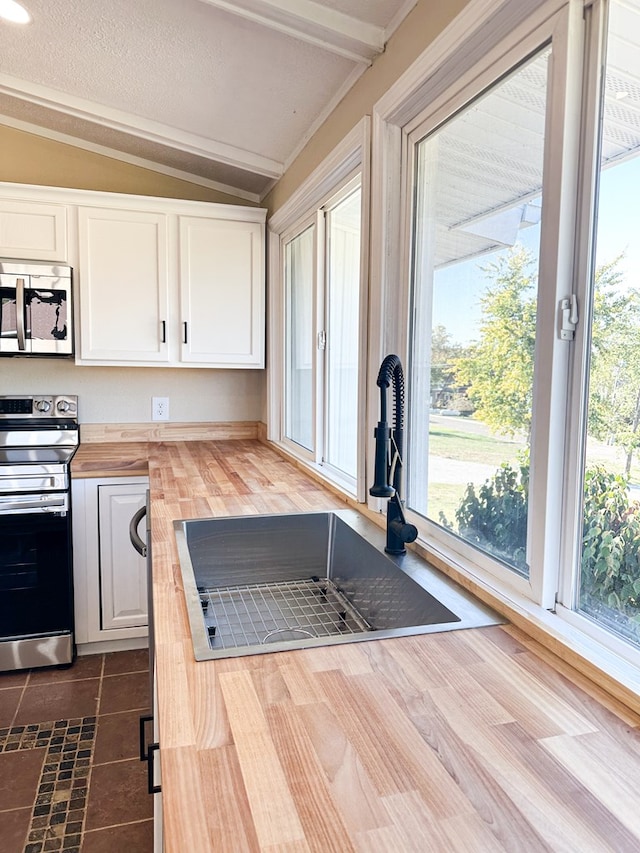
pixel 111 459
pixel 475 740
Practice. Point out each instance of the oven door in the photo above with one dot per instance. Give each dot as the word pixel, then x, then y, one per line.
pixel 35 315
pixel 35 567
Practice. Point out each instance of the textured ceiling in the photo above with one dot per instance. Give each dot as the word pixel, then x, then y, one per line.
pixel 224 91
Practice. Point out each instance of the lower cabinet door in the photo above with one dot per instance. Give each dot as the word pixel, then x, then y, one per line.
pixel 123 578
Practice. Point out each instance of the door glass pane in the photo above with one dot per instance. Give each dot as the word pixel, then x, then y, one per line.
pixel 343 303
pixel 300 338
pixel 474 297
pixel 610 576
pixel 46 312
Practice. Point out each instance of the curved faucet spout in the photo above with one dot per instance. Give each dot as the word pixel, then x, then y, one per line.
pixel 388 457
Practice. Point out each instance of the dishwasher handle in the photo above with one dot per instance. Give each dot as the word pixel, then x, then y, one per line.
pixel 136 541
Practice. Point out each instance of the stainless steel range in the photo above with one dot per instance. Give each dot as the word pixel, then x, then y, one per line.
pixel 38 437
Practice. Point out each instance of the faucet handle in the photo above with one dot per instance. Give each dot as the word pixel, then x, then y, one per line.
pixel 403 530
pixel 381 487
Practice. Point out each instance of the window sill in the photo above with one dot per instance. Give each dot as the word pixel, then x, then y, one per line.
pixel 318 472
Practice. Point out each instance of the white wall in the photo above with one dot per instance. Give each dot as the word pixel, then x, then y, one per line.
pixel 123 394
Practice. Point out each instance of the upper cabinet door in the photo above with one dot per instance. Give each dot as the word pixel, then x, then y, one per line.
pixel 124 307
pixel 33 231
pixel 222 284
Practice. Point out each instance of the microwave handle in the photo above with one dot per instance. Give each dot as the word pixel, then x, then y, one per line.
pixel 20 314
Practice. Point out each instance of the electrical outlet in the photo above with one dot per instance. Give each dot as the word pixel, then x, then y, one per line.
pixel 160 408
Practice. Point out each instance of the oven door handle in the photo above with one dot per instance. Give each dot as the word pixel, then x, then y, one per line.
pixel 32 503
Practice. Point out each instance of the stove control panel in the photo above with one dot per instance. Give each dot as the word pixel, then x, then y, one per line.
pixel 39 406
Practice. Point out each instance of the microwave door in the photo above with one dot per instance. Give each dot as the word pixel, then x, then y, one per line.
pixel 14 337
pixel 47 314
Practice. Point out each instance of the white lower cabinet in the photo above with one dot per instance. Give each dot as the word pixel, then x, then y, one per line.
pixel 110 581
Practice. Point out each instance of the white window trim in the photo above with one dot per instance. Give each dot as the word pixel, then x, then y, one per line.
pixel 589 169
pixel 351 154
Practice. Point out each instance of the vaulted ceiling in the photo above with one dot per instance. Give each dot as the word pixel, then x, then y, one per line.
pixel 226 93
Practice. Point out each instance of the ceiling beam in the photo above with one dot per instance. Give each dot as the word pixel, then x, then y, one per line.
pixel 314 23
pixel 147 129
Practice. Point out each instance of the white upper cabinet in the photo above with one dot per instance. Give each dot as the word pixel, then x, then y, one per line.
pixel 124 294
pixel 33 231
pixel 159 287
pixel 222 292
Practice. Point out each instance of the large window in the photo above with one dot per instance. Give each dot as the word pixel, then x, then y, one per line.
pixel 609 586
pixel 505 271
pixel 478 183
pixel 518 204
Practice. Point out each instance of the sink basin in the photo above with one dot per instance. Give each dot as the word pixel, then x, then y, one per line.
pixel 266 583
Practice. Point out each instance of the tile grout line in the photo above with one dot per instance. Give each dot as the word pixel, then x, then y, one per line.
pixel 118 825
pixel 15 713
pixel 90 773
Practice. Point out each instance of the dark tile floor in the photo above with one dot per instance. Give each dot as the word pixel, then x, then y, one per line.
pixel 70 775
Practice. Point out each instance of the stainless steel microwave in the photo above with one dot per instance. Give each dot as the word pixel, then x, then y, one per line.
pixel 36 316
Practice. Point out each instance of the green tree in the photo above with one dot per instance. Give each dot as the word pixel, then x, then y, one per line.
pixel 614 396
pixel 444 357
pixel 499 367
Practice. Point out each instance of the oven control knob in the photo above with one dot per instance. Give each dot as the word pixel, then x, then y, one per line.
pixel 63 405
pixel 43 405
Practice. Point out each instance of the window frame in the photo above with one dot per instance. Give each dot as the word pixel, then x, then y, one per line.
pixel 314 222
pixel 348 159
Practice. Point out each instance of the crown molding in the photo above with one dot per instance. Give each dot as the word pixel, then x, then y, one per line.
pixel 313 23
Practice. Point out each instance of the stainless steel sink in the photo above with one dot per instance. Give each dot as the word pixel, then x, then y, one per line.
pixel 267 583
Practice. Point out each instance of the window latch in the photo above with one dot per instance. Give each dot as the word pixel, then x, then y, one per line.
pixel 322 340
pixel 569 317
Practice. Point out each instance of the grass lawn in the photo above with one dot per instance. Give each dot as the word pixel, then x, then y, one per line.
pixel 466 446
pixel 472 447
pixel 445 497
pixel 470 442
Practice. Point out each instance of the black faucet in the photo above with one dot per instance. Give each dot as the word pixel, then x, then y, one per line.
pixel 388 465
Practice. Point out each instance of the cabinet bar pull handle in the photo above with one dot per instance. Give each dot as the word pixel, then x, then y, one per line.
pixel 163 323
pixel 144 755
pixel 136 541
pixel 184 337
pixel 153 789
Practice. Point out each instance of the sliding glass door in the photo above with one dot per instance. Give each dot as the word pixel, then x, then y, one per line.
pixel 300 288
pixel 323 334
pixel 343 333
